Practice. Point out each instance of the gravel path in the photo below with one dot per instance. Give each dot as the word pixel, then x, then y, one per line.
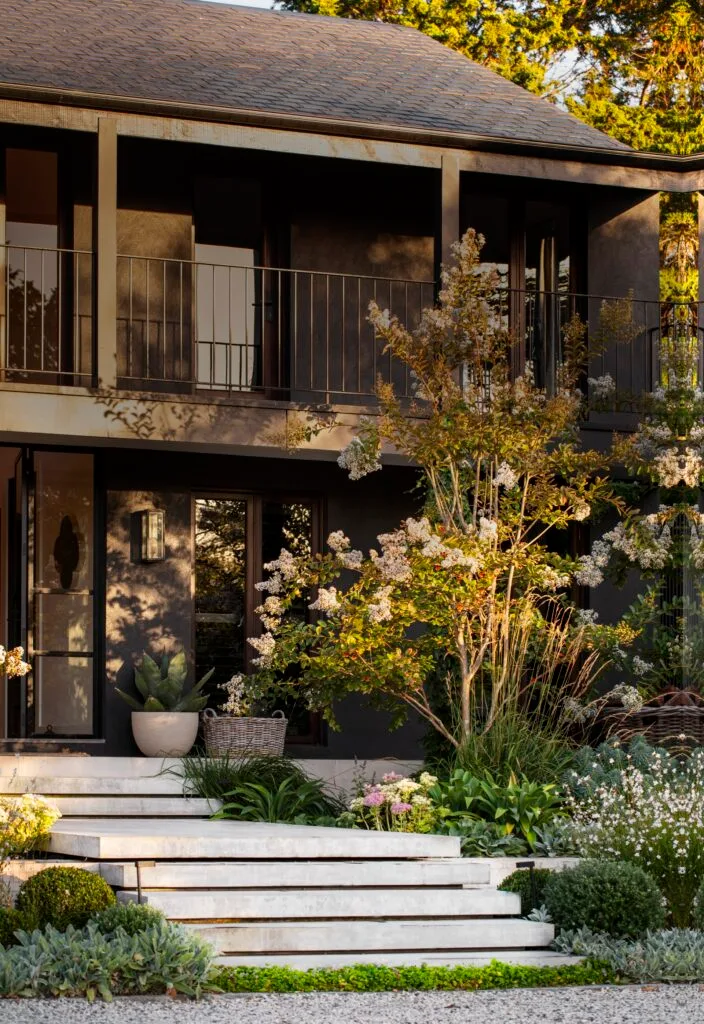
pixel 632 1005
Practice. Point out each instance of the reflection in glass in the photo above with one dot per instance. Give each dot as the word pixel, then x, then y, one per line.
pixel 220 585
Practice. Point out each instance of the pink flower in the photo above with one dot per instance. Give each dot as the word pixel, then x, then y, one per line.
pixel 400 808
pixel 391 777
pixel 373 799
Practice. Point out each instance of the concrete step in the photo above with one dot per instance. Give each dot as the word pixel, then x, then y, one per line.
pixel 87 785
pixel 367 936
pixel 310 961
pixel 299 874
pixel 198 839
pixel 134 807
pixel 76 765
pixel 308 904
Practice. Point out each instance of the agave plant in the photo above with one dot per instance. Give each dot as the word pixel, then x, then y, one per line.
pixel 162 685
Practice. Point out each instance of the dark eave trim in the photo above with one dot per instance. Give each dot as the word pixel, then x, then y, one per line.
pixel 349 128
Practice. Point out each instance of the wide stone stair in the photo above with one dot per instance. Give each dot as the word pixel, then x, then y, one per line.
pixel 273 893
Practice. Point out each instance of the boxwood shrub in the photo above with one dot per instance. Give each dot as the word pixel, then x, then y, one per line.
pixel 62 897
pixel 11 921
pixel 613 897
pixel 131 917
pixel 521 882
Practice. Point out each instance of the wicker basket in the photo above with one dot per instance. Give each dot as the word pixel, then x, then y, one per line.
pixel 225 734
pixel 673 720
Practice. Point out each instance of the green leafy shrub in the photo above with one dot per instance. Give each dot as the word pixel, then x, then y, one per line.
pixel 11 921
pixel 483 838
pixel 518 807
pixel 368 978
pixel 25 822
pixel 676 955
pixel 131 917
pixel 161 958
pixel 163 686
pixel 290 801
pixel 617 898
pixel 63 896
pixel 526 883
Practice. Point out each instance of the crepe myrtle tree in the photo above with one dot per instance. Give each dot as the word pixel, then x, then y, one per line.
pixel 503 468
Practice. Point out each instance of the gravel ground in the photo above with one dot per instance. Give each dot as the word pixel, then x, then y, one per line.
pixel 632 1005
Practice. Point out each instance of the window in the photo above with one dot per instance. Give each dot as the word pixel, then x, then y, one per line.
pixel 234 538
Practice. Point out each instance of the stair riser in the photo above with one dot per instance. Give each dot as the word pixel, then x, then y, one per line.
pixel 133 807
pixel 305 937
pixel 270 904
pixel 299 874
pixel 85 786
pixel 307 962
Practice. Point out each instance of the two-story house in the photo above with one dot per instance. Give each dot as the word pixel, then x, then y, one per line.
pixel 197 202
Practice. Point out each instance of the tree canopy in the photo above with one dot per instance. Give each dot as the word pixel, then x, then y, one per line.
pixel 632 68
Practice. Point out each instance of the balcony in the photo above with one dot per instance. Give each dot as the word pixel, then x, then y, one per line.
pixel 46 315
pixel 192 328
pixel 296 335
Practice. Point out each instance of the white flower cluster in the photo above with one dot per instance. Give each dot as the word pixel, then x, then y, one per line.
pixel 380 608
pixel 640 666
pixel 602 387
pixel 392 564
pixel 627 696
pixel 592 567
pixel 327 601
pixel 265 645
pixel 237 703
pixel 505 477
pixel 12 662
pixel 678 466
pixel 586 617
pixel 359 458
pixel 283 569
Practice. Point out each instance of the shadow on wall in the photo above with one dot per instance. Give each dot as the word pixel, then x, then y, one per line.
pixel 148 605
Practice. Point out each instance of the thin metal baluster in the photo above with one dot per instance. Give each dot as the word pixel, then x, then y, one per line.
pixel 327 337
pixel 163 339
pixel 77 363
pixel 212 329
pixel 42 317
pixel 147 263
pixel 245 314
pixel 180 322
pixel 262 313
pixel 24 364
pixel 310 331
pixel 130 331
pixel 344 335
pixel 294 334
pixel 374 347
pixel 230 341
pixel 279 333
pixel 359 335
pixel 59 325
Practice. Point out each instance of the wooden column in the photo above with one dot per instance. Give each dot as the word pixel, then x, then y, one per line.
pixel 449 205
pixel 106 254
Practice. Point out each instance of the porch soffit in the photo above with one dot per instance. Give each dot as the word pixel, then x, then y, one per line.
pixel 401 147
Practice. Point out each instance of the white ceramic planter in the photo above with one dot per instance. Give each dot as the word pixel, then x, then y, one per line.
pixel 164 733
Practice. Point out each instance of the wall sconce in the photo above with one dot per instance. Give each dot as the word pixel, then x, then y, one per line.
pixel 152 534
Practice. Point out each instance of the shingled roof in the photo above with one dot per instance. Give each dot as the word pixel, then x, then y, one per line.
pixel 238 59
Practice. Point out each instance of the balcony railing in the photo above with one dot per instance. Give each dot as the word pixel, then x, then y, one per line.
pixel 294 334
pixel 46 315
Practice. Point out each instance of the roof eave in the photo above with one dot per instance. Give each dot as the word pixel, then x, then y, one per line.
pixel 334 126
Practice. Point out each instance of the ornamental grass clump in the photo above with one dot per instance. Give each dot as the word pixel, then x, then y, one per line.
pixel 652 817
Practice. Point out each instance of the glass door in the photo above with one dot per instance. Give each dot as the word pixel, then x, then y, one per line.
pixel 51 595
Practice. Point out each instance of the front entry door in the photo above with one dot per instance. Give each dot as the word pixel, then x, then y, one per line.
pixel 51 596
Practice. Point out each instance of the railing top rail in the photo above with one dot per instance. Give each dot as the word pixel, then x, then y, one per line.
pixel 47 248
pixel 276 270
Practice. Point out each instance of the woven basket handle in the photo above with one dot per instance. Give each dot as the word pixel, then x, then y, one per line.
pixel 210 713
pixel 278 714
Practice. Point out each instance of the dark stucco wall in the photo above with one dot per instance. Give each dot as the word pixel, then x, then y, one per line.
pixel 151 606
